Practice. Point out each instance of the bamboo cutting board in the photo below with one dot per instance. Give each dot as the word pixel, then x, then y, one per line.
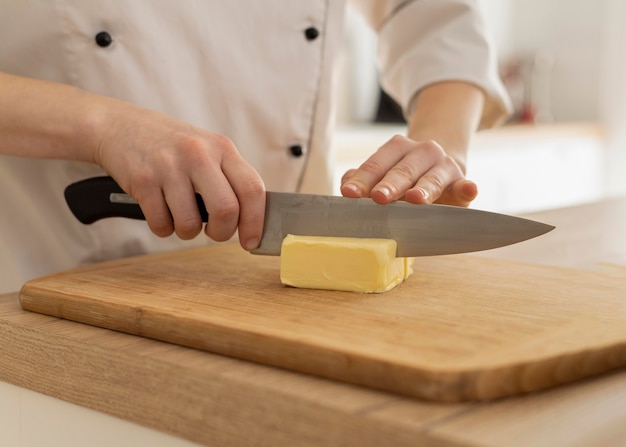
pixel 461 328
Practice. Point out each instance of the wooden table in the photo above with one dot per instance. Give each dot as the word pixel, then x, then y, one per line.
pixel 215 400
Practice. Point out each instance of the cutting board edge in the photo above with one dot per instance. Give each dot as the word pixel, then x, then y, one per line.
pixel 469 385
pixel 453 384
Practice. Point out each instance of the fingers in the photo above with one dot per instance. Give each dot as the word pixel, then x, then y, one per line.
pixel 155 210
pixel 170 209
pixel 250 193
pixel 234 196
pixel 418 172
pixel 170 175
pixel 180 199
pixel 438 174
pixel 360 182
pixel 461 193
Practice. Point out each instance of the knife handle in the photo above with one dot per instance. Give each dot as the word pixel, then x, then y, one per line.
pixel 101 197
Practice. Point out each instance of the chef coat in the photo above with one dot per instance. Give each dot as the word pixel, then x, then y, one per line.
pixel 259 71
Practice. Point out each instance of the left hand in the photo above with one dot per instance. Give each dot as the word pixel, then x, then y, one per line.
pixel 428 166
pixel 415 171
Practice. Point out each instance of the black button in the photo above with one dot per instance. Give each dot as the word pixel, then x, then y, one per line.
pixel 104 39
pixel 296 150
pixel 311 33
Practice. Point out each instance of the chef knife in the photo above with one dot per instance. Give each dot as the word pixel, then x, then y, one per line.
pixel 419 230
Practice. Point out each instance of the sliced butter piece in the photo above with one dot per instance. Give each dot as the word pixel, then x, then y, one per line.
pixel 341 263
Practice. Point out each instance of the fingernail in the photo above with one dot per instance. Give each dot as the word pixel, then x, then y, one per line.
pixel 469 191
pixel 251 244
pixel 384 190
pixel 350 187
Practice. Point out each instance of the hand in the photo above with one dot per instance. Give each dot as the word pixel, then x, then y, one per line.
pixel 162 163
pixel 418 172
pixel 159 161
pixel 418 169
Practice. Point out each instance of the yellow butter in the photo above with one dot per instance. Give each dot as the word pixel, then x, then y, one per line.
pixel 338 263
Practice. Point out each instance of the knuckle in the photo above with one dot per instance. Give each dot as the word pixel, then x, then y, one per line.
pixel 200 150
pixel 226 210
pixel 219 234
pixel 405 171
pixel 222 141
pixel 399 139
pixel 452 165
pixel 256 188
pixel 193 147
pixel 432 147
pixel 436 181
pixel 142 181
pixel 372 166
pixel 161 226
pixel 187 227
pixel 398 146
pixel 224 145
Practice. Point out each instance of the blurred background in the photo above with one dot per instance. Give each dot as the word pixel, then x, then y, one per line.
pixel 564 65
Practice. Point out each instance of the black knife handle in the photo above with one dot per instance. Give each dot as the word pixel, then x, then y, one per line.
pixel 90 200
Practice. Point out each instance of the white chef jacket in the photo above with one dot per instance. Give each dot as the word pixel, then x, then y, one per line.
pixel 258 71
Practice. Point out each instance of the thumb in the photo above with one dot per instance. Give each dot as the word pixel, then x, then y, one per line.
pixel 460 193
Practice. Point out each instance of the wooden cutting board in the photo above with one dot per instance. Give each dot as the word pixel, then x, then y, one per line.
pixel 461 328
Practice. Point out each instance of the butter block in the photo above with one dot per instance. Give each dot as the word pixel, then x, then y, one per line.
pixel 340 263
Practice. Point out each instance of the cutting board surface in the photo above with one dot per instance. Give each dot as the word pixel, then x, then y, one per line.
pixel 461 328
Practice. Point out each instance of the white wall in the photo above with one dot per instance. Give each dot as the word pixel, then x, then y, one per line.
pixel 587 40
pixel 612 103
pixel 567 31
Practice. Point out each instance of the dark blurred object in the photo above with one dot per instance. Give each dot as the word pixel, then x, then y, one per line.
pixel 388 110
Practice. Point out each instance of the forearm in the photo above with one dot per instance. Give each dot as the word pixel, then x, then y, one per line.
pixel 43 119
pixel 449 114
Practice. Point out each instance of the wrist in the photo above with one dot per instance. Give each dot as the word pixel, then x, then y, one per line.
pixel 447 113
pixel 98 115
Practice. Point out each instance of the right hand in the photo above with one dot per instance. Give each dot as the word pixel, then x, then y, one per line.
pixel 162 162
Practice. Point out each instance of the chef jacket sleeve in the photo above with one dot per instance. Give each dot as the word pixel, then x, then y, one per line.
pixel 421 42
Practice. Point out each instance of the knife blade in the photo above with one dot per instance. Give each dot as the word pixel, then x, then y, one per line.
pixel 419 230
